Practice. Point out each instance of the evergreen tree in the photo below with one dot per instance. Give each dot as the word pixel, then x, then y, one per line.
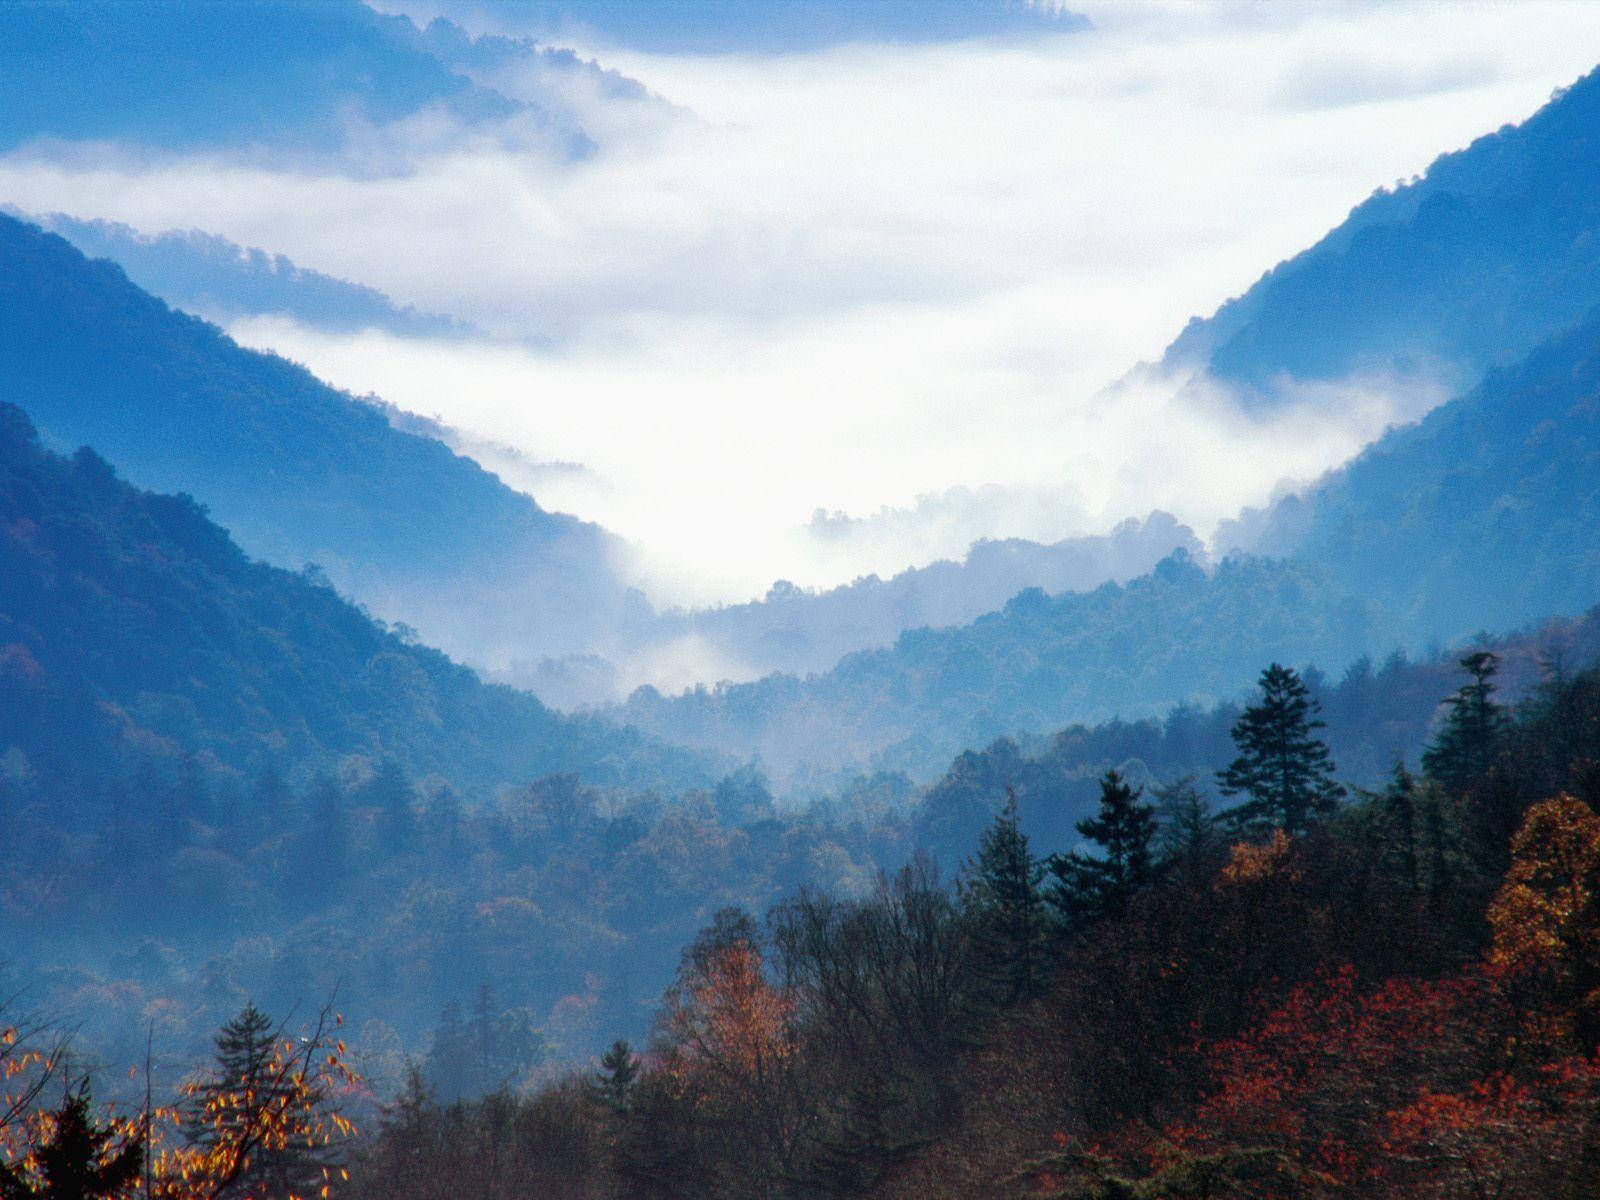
pixel 79 1161
pixel 1123 828
pixel 1466 745
pixel 1284 770
pixel 389 791
pixel 243 1087
pixel 613 1083
pixel 1399 802
pixel 1187 825
pixel 1003 900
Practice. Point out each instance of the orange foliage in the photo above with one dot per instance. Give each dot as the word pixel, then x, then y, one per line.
pixel 728 1018
pixel 1256 862
pixel 288 1103
pixel 1546 917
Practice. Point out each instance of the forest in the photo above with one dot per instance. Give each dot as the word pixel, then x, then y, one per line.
pixel 812 682
pixel 1295 988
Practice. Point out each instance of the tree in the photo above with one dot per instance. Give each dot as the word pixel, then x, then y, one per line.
pixel 1123 828
pixel 1466 745
pixel 1399 801
pixel 1186 823
pixel 263 1124
pixel 1546 916
pixel 1003 900
pixel 389 791
pixel 1285 771
pixel 76 1160
pixel 613 1082
pixel 487 1053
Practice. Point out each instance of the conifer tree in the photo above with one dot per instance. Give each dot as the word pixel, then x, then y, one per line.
pixel 1283 769
pixel 1400 807
pixel 389 791
pixel 246 1089
pixel 1466 745
pixel 613 1082
pixel 1187 825
pixel 1002 897
pixel 78 1161
pixel 1123 828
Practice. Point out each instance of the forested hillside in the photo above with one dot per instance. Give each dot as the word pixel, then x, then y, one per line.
pixel 796 630
pixel 1312 993
pixel 1177 633
pixel 1494 250
pixel 1484 514
pixel 130 624
pixel 294 470
pixel 297 78
pixel 214 278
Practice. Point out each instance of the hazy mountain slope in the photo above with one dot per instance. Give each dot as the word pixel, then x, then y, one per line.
pixel 298 77
pixel 220 280
pixel 295 470
pixel 798 631
pixel 128 618
pixel 1039 663
pixel 1495 249
pixel 1486 514
pixel 1374 713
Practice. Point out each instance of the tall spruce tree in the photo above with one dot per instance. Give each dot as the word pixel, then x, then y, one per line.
pixel 1399 807
pixel 1002 898
pixel 1469 740
pixel 613 1082
pixel 243 1086
pixel 1283 769
pixel 1100 885
pixel 1186 823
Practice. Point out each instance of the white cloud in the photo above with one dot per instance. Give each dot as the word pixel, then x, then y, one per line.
pixel 851 279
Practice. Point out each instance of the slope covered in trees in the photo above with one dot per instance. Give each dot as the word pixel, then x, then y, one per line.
pixel 294 470
pixel 1491 252
pixel 220 280
pixel 1176 633
pixel 1395 1001
pixel 1485 514
pixel 128 619
pixel 796 630
pixel 294 78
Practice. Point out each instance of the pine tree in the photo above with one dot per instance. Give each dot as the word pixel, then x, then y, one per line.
pixel 613 1083
pixel 242 1093
pixel 1466 745
pixel 1187 825
pixel 1002 898
pixel 78 1161
pixel 390 793
pixel 1400 808
pixel 1284 770
pixel 1123 828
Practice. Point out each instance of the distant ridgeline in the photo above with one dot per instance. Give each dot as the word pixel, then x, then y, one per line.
pixel 294 79
pixel 1493 250
pixel 297 471
pixel 131 626
pixel 221 281
pixel 1485 515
